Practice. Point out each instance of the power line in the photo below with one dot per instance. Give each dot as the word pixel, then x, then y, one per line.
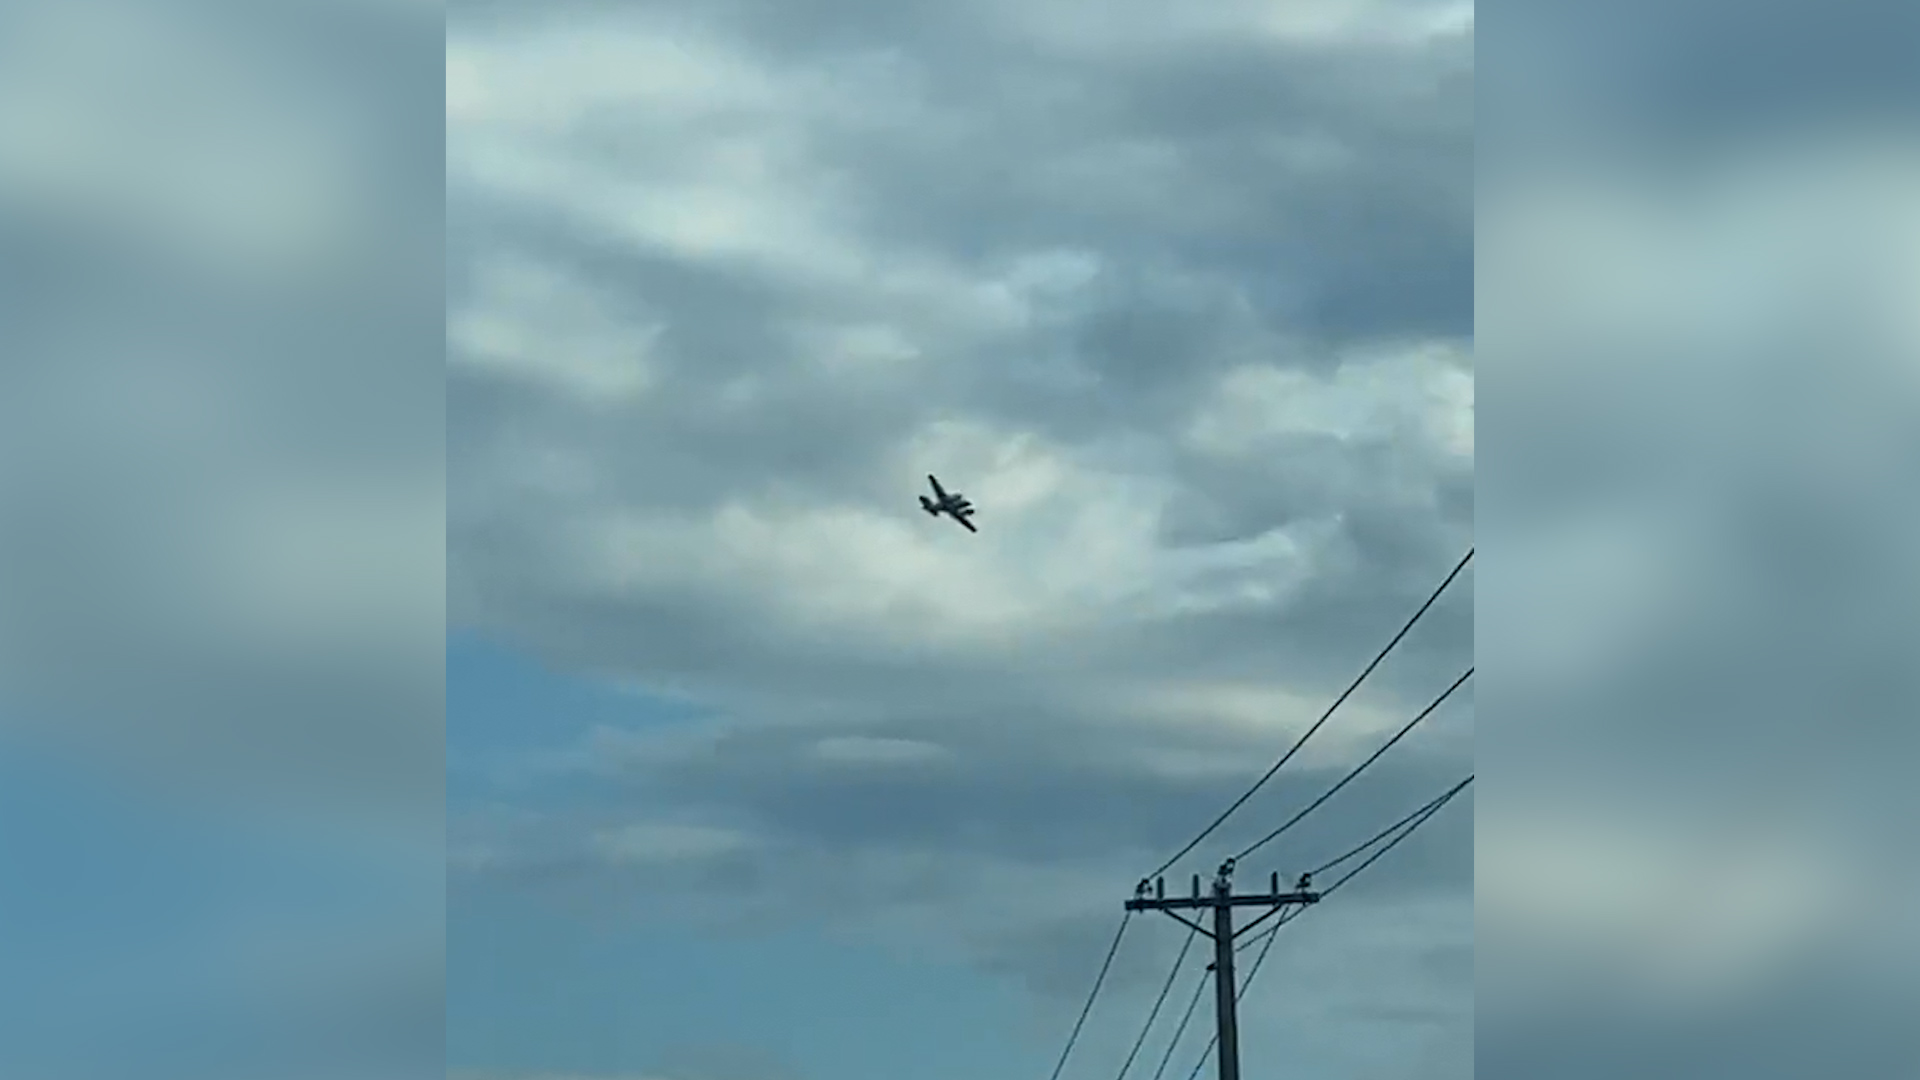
pixel 1092 994
pixel 1360 768
pixel 1421 819
pixel 1348 692
pixel 1112 949
pixel 1199 988
pixel 1185 946
pixel 1407 825
pixel 1424 811
pixel 1410 822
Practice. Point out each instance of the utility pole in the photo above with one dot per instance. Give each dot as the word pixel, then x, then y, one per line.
pixel 1222 900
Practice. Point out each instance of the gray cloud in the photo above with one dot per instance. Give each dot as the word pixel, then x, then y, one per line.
pixel 1698 75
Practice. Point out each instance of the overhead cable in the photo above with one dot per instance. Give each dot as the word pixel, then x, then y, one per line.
pixel 1360 768
pixel 1199 988
pixel 1423 812
pixel 1098 981
pixel 1302 741
pixel 1406 825
pixel 1185 946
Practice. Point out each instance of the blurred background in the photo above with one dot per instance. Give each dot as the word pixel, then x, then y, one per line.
pixel 221 560
pixel 1698 248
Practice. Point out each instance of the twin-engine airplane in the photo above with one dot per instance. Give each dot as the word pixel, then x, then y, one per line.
pixel 953 505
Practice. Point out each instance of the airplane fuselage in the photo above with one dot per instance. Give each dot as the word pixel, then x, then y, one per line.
pixel 952 504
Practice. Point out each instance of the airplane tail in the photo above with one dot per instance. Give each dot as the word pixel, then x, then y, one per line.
pixel 927 505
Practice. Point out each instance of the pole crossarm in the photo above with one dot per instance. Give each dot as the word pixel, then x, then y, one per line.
pixel 1173 907
pixel 1253 900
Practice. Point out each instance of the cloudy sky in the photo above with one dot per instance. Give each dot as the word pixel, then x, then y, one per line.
pixel 757 771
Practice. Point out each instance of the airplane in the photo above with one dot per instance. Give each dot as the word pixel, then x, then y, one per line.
pixel 953 505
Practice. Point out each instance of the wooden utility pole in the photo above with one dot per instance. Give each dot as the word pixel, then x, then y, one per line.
pixel 1222 901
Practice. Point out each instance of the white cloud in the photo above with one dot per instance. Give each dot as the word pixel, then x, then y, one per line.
pixel 1059 543
pixel 1428 388
pixel 865 751
pixel 662 842
pixel 530 322
pixel 1254 713
pixel 522 118
pixel 1081 24
pixel 544 79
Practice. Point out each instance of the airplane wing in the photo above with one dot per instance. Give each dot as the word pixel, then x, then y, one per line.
pixel 939 493
pixel 962 520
